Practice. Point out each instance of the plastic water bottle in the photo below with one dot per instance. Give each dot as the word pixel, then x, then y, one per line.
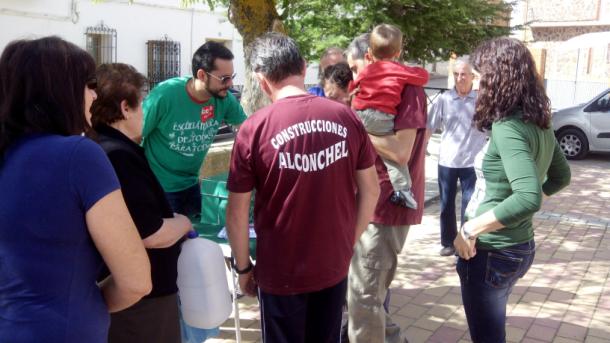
pixel 205 300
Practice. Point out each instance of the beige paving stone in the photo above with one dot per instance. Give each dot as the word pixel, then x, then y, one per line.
pixel 571 331
pixel 412 311
pixel 525 310
pixel 437 291
pixel 561 296
pixel 591 287
pixel 533 297
pixel 457 321
pixel 451 299
pixel 566 340
pixel 402 321
pixel 425 299
pixel 415 334
pixel 397 299
pixel 542 287
pixel 542 333
pixel 514 298
pixel 542 256
pixel 514 334
pixel 444 311
pixel 554 307
pixel 602 315
pixel 593 339
pixel 255 325
pixel 429 323
pixel 531 340
pixel 587 299
pixel 446 334
pixel 599 329
pixel 569 285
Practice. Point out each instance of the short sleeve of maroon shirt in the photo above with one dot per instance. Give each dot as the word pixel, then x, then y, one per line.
pixel 301 155
pixel 412 114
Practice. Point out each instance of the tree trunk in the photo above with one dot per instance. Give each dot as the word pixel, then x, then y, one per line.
pixel 253 18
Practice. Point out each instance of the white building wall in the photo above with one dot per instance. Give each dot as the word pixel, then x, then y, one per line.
pixel 135 24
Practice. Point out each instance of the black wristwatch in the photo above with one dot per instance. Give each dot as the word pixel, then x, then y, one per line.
pixel 241 271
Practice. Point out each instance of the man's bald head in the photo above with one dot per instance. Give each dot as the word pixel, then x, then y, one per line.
pixel 463 76
pixel 331 56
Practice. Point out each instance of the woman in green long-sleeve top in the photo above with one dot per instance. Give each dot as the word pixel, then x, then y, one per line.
pixel 519 166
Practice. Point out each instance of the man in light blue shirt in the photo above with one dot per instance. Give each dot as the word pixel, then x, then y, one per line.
pixel 460 142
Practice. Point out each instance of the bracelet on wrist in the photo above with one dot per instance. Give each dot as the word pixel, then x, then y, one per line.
pixel 241 271
pixel 467 234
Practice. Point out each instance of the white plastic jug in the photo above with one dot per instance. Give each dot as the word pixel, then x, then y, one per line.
pixel 205 300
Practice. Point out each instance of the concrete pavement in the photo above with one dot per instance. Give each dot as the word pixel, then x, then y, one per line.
pixel 565 297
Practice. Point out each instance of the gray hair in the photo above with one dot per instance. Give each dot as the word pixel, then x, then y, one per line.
pixel 333 50
pixel 359 46
pixel 462 61
pixel 276 56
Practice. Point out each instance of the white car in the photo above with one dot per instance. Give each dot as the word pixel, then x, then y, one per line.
pixel 585 127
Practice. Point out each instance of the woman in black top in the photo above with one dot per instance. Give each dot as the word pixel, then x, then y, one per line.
pixel 117 120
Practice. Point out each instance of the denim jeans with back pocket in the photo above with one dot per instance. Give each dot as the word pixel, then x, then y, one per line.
pixel 487 280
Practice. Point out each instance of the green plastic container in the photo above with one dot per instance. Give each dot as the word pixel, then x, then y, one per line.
pixel 214 197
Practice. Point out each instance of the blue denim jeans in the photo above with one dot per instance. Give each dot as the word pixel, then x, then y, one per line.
pixel 186 202
pixel 487 280
pixel 447 185
pixel 191 334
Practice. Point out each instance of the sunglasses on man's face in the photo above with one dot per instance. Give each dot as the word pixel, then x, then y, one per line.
pixel 91 83
pixel 223 79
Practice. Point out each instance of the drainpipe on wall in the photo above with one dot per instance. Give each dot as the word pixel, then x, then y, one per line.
pixel 73 16
pixel 526 20
pixel 191 38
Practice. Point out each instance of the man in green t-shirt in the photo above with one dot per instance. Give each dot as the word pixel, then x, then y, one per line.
pixel 181 118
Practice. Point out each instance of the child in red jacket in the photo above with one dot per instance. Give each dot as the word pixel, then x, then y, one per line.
pixel 378 93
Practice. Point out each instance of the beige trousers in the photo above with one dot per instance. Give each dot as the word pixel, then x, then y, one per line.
pixel 371 272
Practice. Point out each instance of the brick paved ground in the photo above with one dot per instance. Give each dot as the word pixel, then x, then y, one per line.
pixel 565 297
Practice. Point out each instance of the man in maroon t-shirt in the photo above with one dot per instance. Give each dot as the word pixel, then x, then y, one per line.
pixel 312 166
pixel 375 254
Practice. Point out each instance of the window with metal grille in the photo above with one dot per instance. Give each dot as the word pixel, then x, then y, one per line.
pixel 163 60
pixel 101 43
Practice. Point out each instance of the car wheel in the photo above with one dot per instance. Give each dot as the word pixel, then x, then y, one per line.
pixel 573 143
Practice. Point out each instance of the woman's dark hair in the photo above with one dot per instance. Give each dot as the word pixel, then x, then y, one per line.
pixel 115 82
pixel 509 81
pixel 42 86
pixel 340 74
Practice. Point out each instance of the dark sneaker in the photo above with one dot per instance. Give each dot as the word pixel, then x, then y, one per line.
pixel 447 251
pixel 404 199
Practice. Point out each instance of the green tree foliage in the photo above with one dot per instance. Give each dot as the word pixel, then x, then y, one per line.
pixel 433 29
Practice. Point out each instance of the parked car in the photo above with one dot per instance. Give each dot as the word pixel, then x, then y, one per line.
pixel 585 127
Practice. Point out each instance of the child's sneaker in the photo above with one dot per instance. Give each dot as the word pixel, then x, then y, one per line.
pixel 404 198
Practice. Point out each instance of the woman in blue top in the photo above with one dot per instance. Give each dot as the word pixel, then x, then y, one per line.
pixel 61 210
pixel 519 166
